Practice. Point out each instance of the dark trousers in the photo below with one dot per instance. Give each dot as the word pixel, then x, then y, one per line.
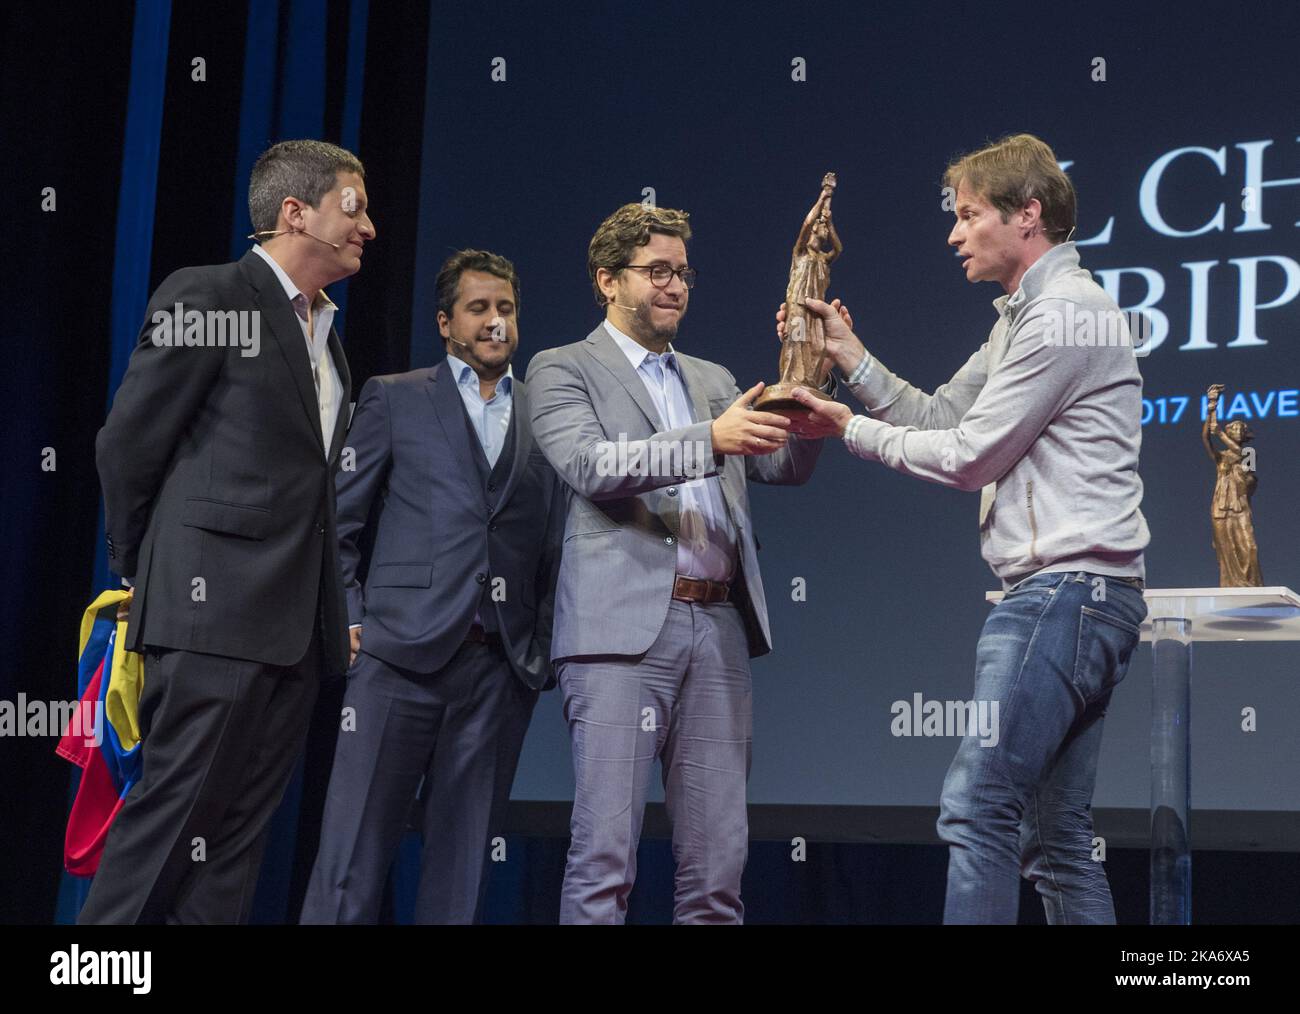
pixel 220 738
pixel 459 730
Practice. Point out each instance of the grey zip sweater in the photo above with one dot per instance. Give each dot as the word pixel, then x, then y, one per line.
pixel 1043 418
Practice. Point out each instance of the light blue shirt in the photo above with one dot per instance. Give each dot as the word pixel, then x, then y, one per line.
pixel 491 418
pixel 706 540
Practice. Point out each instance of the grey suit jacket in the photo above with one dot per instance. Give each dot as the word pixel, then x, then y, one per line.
pixel 620 536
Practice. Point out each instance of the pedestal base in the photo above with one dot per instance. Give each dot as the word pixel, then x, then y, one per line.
pixel 779 400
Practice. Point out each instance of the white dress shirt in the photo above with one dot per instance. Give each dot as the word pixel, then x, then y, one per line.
pixel 324 374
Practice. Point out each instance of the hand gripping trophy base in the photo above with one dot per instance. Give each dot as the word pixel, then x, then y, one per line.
pixel 779 399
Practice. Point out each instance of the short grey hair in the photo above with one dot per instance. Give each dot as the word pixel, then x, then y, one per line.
pixel 307 170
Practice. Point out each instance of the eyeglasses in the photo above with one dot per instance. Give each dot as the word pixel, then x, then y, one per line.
pixel 662 274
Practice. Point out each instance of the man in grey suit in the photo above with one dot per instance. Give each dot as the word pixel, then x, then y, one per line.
pixel 451 635
pixel 659 604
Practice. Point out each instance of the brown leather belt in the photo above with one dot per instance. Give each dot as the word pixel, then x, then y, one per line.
pixel 697 589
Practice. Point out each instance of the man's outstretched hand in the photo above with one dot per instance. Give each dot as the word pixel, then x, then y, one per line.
pixel 741 430
pixel 828 418
pixel 842 346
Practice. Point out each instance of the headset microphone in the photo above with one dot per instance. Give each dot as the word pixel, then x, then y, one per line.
pixel 270 233
pixel 336 246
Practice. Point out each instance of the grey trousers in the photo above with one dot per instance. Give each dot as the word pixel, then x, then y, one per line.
pixel 460 730
pixel 688 703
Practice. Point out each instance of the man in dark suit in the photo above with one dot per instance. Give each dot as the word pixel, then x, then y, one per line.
pixel 451 636
pixel 217 463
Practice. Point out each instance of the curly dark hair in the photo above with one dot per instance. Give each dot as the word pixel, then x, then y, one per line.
pixel 625 230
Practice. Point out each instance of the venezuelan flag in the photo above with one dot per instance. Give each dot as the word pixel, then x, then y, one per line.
pixel 104 738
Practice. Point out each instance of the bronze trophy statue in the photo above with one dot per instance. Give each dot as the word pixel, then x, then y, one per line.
pixel 1230 517
pixel 804 345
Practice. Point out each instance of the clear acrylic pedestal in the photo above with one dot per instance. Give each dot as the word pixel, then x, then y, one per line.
pixel 1176 618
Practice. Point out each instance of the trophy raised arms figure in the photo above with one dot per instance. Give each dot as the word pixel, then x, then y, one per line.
pixel 1234 485
pixel 804 344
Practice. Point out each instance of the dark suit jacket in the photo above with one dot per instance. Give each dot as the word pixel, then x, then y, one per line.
pixel 213 468
pixel 437 543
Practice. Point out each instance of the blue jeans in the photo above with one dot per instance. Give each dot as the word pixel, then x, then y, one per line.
pixel 1050 654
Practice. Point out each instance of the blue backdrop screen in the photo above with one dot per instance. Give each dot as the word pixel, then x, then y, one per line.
pixel 1183 145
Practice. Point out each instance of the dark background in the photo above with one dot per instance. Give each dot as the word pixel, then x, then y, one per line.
pixel 695 101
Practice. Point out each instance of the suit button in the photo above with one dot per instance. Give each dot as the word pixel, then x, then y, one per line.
pixel 492 527
pixel 672 490
pixel 320 529
pixel 492 487
pixel 669 540
pixel 480 577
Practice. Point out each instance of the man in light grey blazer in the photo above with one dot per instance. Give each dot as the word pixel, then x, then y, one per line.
pixel 659 605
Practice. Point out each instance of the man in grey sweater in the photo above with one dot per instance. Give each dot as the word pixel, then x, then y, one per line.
pixel 1044 420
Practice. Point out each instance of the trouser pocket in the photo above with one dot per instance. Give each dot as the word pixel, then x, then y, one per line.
pixel 1106 644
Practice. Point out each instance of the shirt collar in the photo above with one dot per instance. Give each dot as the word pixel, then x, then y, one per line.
pixel 323 302
pixel 637 353
pixel 1055 262
pixel 464 374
